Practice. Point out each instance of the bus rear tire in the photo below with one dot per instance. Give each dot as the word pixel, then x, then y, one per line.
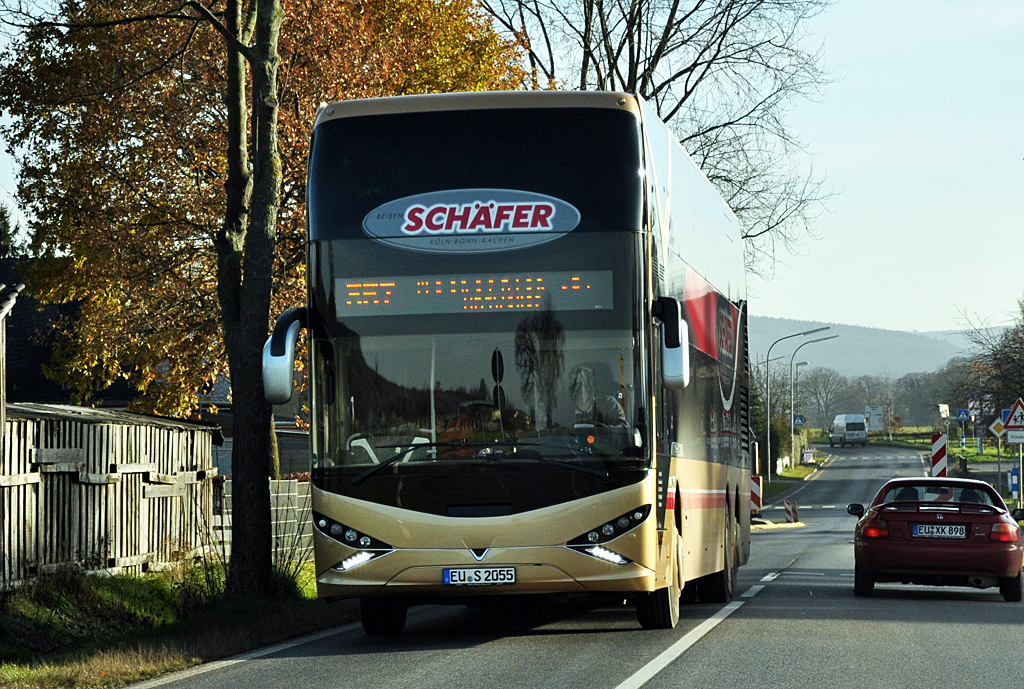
pixel 382 616
pixel 659 609
pixel 719 587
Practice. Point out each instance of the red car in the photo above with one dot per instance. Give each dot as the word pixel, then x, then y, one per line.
pixel 937 532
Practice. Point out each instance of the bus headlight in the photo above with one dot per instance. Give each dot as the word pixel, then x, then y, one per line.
pixel 347 535
pixel 591 542
pixel 614 528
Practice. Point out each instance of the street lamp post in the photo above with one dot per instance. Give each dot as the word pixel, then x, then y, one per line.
pixel 791 358
pixel 768 392
pixel 792 397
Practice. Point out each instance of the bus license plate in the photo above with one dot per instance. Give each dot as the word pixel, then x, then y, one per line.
pixel 940 530
pixel 480 576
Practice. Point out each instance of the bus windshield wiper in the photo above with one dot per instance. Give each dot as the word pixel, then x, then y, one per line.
pixel 555 461
pixel 531 455
pixel 356 480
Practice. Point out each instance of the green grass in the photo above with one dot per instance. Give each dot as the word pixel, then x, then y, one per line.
pixel 70 629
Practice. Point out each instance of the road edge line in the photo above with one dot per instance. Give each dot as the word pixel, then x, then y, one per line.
pixel 647 672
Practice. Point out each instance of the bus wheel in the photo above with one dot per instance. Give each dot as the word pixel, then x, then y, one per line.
pixel 382 616
pixel 659 609
pixel 718 587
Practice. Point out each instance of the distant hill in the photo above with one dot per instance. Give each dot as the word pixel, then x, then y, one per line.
pixel 858 351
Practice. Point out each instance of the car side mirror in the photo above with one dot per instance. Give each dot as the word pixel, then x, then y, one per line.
pixel 1017 513
pixel 856 509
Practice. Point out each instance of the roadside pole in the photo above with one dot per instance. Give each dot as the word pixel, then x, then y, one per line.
pixel 1014 428
pixel 996 428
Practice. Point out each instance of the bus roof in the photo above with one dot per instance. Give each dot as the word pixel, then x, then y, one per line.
pixel 477 100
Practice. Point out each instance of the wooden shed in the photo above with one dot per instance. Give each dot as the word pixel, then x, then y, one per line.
pixel 102 489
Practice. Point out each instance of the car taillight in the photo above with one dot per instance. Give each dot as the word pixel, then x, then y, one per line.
pixel 1005 533
pixel 876 528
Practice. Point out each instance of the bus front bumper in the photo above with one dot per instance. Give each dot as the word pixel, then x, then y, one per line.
pixel 537 570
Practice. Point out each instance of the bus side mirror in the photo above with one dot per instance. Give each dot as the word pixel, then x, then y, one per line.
pixel 279 356
pixel 675 344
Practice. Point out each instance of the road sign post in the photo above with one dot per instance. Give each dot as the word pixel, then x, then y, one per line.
pixel 1014 427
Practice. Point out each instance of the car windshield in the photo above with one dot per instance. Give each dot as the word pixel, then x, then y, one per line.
pixel 932 493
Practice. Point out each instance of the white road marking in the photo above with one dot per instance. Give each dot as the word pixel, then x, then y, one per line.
pixel 647 672
pixel 771 576
pixel 259 653
pixel 753 591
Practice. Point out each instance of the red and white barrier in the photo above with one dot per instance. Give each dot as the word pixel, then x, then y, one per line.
pixel 939 454
pixel 756 492
pixel 792 512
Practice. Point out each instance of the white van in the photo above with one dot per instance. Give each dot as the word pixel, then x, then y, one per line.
pixel 848 429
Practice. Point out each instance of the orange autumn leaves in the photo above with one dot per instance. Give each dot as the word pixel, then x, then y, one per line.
pixel 121 130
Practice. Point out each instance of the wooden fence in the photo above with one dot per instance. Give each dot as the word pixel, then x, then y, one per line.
pixel 290 515
pixel 101 489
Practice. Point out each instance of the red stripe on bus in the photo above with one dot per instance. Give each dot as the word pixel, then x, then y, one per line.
pixel 703 501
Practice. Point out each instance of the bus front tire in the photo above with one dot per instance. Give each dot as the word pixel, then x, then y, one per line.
pixel 382 616
pixel 659 609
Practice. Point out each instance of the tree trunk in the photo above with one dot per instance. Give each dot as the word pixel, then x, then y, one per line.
pixel 244 289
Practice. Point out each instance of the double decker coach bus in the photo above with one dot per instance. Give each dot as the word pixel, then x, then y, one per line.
pixel 527 356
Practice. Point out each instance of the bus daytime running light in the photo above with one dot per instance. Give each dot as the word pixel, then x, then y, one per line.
pixel 359 558
pixel 607 555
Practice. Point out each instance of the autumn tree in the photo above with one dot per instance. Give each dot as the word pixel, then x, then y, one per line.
pixel 11 244
pixel 161 148
pixel 723 73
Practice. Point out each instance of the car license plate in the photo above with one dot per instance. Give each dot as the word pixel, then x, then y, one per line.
pixel 480 576
pixel 940 530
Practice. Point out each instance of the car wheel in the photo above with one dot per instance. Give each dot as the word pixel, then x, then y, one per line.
pixel 1011 589
pixel 659 609
pixel 863 584
pixel 831 444
pixel 842 443
pixel 382 616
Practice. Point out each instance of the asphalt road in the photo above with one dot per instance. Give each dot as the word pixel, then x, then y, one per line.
pixel 796 624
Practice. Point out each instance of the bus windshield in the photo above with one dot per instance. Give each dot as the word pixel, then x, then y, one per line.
pixel 529 364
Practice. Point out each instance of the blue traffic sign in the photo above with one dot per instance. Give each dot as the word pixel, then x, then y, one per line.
pixel 1006 415
pixel 798 420
pixel 963 415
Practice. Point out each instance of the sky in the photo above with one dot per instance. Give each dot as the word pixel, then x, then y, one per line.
pixel 921 137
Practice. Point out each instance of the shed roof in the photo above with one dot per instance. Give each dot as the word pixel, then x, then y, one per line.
pixel 104 416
